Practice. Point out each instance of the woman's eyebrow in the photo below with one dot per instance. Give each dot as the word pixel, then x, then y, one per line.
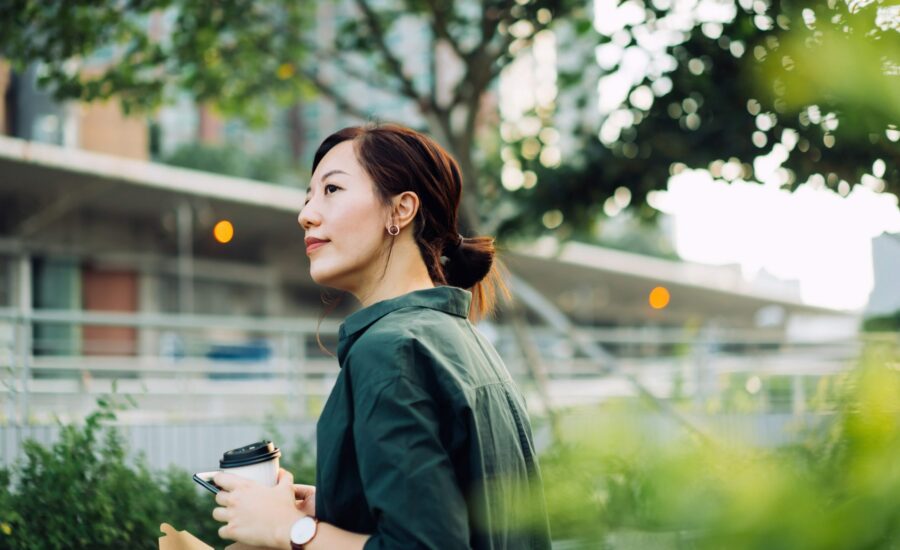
pixel 333 172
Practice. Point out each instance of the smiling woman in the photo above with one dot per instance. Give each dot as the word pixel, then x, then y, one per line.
pixel 424 441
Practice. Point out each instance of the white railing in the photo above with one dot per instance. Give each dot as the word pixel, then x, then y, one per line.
pixel 196 446
pixel 193 370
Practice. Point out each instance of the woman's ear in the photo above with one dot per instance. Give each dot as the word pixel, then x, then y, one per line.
pixel 405 208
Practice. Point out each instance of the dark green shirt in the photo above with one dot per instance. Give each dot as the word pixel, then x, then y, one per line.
pixel 424 441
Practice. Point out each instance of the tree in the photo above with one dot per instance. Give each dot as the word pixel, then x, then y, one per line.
pixel 477 36
pixel 811 88
pixel 237 54
pixel 724 89
pixel 241 55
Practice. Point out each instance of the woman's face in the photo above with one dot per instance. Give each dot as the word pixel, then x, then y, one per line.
pixel 343 210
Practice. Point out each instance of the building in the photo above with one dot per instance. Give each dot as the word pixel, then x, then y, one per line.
pixel 885 296
pixel 106 257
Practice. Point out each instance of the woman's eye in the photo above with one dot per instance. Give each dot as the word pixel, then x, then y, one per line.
pixel 330 186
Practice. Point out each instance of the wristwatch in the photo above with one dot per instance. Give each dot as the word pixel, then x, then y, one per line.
pixel 303 531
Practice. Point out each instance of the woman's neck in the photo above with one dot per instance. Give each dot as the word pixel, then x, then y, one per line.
pixel 405 273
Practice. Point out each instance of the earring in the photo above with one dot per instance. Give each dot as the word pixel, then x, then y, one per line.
pixel 394 230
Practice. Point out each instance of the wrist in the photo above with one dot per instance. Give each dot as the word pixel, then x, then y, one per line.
pixel 283 531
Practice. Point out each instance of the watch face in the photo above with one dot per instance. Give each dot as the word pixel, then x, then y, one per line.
pixel 303 530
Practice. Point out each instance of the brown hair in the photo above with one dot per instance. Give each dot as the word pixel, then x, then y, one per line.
pixel 399 159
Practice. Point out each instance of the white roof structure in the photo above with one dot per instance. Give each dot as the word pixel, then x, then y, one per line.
pixel 40 183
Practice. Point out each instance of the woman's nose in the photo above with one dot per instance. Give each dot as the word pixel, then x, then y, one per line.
pixel 307 217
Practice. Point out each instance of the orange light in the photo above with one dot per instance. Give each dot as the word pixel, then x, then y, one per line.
pixel 659 297
pixel 223 231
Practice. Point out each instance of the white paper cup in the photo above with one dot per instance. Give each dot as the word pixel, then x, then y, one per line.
pixel 257 461
pixel 265 473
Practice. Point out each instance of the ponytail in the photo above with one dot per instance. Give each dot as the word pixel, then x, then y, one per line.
pixel 472 264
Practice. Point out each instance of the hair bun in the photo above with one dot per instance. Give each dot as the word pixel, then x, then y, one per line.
pixel 469 262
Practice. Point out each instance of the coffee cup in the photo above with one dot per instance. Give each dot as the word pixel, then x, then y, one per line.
pixel 257 461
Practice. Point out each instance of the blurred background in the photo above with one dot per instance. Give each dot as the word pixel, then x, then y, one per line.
pixel 696 202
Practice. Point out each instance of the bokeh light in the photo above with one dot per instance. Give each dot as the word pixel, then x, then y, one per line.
pixel 223 231
pixel 659 297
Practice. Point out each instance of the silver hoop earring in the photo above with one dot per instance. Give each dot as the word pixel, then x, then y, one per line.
pixel 394 230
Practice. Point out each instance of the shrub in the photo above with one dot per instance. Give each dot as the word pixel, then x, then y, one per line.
pixel 839 487
pixel 81 493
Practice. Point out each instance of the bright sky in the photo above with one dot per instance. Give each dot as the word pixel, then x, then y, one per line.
pixel 813 235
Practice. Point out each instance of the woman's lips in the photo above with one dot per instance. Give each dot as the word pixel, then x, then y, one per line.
pixel 314 246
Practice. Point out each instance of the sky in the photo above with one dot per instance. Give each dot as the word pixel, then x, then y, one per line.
pixel 813 235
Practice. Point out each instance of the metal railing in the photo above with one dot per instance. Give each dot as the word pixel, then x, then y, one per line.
pixel 183 367
pixel 191 372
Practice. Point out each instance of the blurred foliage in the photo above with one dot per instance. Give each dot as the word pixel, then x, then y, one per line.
pixel 827 93
pixel 611 484
pixel 831 71
pixel 843 57
pixel 838 488
pixel 232 160
pixel 883 323
pixel 80 493
pixel 83 492
pixel 239 54
pixel 243 56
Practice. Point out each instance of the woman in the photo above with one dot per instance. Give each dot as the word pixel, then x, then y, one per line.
pixel 424 441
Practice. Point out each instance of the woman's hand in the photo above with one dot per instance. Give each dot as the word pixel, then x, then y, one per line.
pixel 305 495
pixel 256 515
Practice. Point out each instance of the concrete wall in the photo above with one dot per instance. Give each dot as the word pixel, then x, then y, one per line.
pixel 105 129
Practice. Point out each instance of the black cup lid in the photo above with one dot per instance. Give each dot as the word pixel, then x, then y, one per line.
pixel 254 453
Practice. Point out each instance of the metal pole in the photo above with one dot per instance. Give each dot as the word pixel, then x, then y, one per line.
pixel 185 217
pixel 298 360
pixel 23 338
pixel 535 365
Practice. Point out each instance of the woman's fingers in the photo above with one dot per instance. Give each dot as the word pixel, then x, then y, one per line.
pixel 302 492
pixel 306 496
pixel 223 498
pixel 229 482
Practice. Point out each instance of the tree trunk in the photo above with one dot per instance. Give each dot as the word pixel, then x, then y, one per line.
pixel 469 216
pixel 459 144
pixel 296 134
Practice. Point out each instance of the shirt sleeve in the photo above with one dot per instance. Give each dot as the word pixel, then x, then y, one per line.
pixel 407 476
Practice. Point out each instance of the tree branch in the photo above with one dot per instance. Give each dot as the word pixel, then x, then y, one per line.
pixel 339 100
pixel 432 68
pixel 406 85
pixel 480 59
pixel 371 78
pixel 492 14
pixel 439 24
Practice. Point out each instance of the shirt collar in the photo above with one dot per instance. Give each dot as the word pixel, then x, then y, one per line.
pixel 449 299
